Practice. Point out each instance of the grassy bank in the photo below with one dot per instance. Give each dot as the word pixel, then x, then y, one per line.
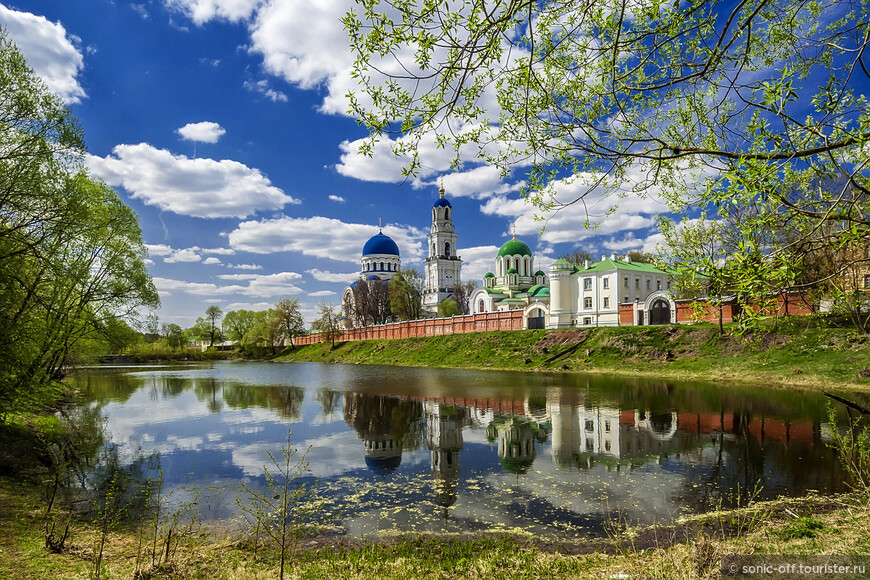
pixel 797 351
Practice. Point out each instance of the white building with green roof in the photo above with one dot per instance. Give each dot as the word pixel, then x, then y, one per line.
pixel 591 294
pixel 515 285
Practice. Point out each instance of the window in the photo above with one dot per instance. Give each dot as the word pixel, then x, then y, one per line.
pixel 590 425
pixel 658 284
pixel 607 425
pixel 606 283
pixel 607 445
pixel 590 445
pixel 637 283
pixel 867 282
pixel 447 248
pixel 480 307
pixel 587 303
pixel 606 302
pixel 647 284
pixel 625 298
pixel 587 321
pixel 625 281
pixel 587 283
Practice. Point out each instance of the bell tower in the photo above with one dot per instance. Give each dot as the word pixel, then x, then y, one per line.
pixel 442 264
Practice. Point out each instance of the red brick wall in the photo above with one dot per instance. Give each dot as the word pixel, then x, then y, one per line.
pixel 626 314
pixel 510 320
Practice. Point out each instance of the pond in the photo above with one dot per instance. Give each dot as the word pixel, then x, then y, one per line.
pixel 420 450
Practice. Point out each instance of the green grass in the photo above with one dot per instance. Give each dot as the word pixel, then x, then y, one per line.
pixel 796 351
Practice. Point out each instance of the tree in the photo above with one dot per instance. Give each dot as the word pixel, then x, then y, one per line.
pixel 368 304
pixel 174 335
pixel 447 308
pixel 706 104
pixel 288 318
pixel 462 294
pixel 406 294
pixel 266 331
pixel 641 256
pixel 577 257
pixel 327 322
pixel 72 273
pixel 237 323
pixel 207 328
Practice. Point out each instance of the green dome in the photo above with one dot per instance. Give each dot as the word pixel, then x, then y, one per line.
pixel 489 275
pixel 512 271
pixel 514 247
pixel 540 273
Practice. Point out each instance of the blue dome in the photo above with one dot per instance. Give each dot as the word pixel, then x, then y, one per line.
pixel 380 244
pixel 441 202
pixel 373 277
pixel 383 465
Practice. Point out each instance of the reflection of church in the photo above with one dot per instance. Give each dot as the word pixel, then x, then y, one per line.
pixel 444 425
pixel 517 438
pixel 582 432
pixel 385 424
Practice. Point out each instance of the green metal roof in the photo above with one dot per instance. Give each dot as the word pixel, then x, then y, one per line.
pixel 489 275
pixel 512 271
pixel 539 291
pixel 608 264
pixel 514 247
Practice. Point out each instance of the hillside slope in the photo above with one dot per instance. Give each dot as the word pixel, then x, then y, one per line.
pixel 796 352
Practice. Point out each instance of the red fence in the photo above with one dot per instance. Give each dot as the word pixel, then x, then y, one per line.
pixel 509 320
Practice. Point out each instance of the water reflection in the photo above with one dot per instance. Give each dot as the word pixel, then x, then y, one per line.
pixel 433 450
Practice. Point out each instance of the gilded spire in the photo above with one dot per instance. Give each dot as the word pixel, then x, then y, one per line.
pixel 380 229
pixel 441 187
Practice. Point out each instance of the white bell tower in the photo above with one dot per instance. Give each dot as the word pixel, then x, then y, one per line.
pixel 443 264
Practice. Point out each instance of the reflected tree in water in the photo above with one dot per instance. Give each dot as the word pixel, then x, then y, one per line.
pixel 285 400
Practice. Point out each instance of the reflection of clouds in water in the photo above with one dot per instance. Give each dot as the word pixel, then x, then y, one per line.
pixel 185 443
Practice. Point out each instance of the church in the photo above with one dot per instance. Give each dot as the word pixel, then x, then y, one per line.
pixel 381 261
pixel 566 296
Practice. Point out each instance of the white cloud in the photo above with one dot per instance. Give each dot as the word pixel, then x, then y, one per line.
pixel 477 261
pixel 324 276
pixel 211 261
pixel 141 10
pixel 612 211
pixel 203 132
pixel 201 11
pixel 194 187
pixel 245 266
pixel 158 249
pixel 321 293
pixel 302 42
pixel 337 198
pixel 383 166
pixel 262 87
pixel 49 51
pixel 186 255
pixel 219 251
pixel 628 242
pixel 322 237
pixel 260 286
pixel 255 306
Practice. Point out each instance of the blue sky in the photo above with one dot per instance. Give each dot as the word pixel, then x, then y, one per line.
pixel 223 124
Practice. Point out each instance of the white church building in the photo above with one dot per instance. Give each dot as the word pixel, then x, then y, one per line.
pixel 567 296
